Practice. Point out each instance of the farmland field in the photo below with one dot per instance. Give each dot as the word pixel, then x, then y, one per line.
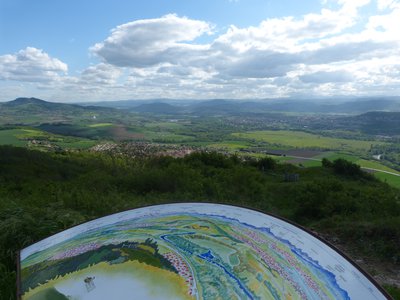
pixel 229 145
pixel 306 140
pixel 335 155
pixel 363 163
pixel 100 125
pixel 56 189
pixel 375 165
pixel 167 137
pixel 355 159
pixel 305 162
pixel 389 179
pixel 10 137
pixel 164 125
pixel 23 136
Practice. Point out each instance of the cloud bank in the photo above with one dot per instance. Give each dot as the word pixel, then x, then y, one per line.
pixel 337 51
pixel 31 65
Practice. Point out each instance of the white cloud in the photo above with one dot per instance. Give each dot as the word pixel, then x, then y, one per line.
pixel 286 34
pixel 32 65
pixel 101 74
pixel 327 77
pixel 333 52
pixel 149 42
pixel 353 4
pixel 386 25
pixel 384 4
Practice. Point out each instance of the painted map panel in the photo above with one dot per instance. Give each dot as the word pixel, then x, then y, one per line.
pixel 189 251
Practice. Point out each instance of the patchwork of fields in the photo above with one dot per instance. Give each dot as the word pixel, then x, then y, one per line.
pixel 51 191
pixel 295 147
pixel 306 140
pixel 36 138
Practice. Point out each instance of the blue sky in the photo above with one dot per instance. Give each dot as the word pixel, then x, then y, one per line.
pixel 111 50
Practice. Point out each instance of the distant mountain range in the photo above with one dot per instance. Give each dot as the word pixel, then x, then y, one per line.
pixel 372 115
pixel 35 103
pixel 218 106
pixel 159 108
pixel 235 107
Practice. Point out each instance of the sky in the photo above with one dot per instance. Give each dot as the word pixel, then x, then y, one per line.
pixel 72 51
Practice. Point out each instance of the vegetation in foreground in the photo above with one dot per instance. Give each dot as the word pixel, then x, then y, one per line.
pixel 43 193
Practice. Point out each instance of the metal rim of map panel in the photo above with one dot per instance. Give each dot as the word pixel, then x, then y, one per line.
pixel 341 254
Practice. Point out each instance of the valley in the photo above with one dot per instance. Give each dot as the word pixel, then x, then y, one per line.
pixel 246 129
pixel 65 164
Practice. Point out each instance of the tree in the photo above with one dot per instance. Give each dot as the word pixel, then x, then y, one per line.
pixel 326 163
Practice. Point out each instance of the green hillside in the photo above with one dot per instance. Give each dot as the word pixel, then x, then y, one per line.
pixel 43 193
pixel 32 111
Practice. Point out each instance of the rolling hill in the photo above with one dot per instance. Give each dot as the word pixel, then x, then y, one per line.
pixel 239 107
pixel 33 111
pixel 373 123
pixel 158 108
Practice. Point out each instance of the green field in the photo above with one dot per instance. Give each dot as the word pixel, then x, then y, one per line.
pixel 167 137
pixel 392 180
pixel 335 155
pixel 229 145
pixel 22 137
pixel 310 163
pixel 306 140
pixel 76 143
pixel 389 179
pixel 164 126
pixel 374 165
pixel 280 159
pixel 100 125
pixel 362 162
pixel 11 137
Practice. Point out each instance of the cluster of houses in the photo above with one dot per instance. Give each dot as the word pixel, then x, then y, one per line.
pixel 143 149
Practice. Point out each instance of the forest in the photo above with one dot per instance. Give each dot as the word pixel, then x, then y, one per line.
pixel 43 193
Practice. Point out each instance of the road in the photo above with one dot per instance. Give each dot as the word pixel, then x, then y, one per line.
pixel 364 168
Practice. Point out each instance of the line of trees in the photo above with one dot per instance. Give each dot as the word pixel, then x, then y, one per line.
pixel 44 193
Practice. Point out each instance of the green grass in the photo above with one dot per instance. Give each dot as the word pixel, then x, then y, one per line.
pixel 311 163
pixel 44 193
pixel 305 140
pixel 374 165
pixel 362 162
pixel 168 132
pixel 164 125
pixel 76 143
pixel 100 125
pixel 393 291
pixel 167 137
pixel 392 180
pixel 229 145
pixel 335 155
pixel 10 137
pixel 19 137
pixel 31 133
pixel 280 158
